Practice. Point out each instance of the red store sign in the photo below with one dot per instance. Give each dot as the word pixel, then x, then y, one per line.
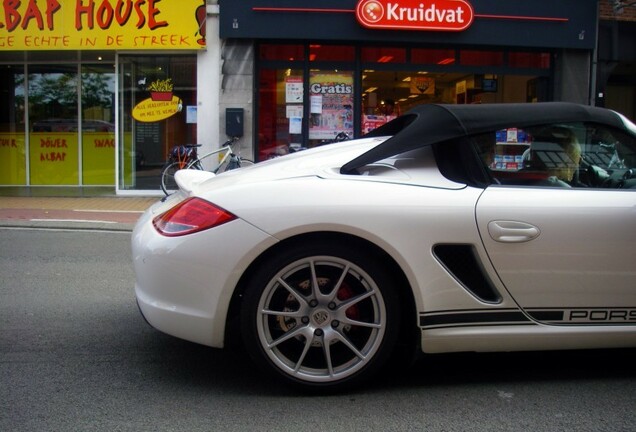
pixel 441 15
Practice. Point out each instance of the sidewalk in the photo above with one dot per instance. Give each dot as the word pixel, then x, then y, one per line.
pixel 111 213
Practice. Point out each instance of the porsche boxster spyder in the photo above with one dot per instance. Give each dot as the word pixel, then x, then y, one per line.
pixel 501 227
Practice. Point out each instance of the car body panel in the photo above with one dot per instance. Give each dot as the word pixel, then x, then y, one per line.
pixel 573 263
pixel 179 289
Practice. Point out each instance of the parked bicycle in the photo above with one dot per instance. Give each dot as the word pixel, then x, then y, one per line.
pixel 186 156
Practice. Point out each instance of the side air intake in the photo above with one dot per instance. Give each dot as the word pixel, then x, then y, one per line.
pixel 462 262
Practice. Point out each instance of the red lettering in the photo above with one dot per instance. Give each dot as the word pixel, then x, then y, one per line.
pixel 52 157
pixel 14 19
pixel 8 142
pixel 122 16
pixel 152 13
pixel 56 143
pixel 12 16
pixel 142 19
pixel 105 143
pixel 32 12
pixel 52 6
pixel 80 10
pixel 105 14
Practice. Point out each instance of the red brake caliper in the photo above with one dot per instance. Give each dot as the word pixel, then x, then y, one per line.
pixel 345 293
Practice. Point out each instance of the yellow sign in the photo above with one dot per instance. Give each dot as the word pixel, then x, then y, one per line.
pixel 53 158
pixel 30 25
pixel 98 158
pixel 155 108
pixel 12 159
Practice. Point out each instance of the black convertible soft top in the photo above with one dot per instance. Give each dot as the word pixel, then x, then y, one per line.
pixel 433 123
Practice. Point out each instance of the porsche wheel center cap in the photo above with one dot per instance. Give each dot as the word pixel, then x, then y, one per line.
pixel 320 317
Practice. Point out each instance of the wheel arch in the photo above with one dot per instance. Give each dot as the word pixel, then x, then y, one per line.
pixel 409 339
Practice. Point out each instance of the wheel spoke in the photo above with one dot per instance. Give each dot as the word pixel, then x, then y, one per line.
pixel 356 323
pixel 290 314
pixel 299 363
pixel 315 289
pixel 326 348
pixel 334 292
pixel 296 331
pixel 299 298
pixel 342 338
pixel 354 300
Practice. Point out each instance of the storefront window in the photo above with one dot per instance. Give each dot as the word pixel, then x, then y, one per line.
pixel 432 56
pixel 282 52
pixel 12 134
pixel 98 125
pixel 156 111
pixel 383 55
pixel 298 111
pixel 529 60
pixel 331 53
pixel 280 112
pixel 54 125
pixel 481 58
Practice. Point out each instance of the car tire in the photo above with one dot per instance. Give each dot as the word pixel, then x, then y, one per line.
pixel 321 315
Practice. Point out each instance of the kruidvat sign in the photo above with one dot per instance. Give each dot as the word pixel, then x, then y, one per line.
pixel 436 15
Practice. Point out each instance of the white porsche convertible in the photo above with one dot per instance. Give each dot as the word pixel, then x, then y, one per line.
pixel 452 228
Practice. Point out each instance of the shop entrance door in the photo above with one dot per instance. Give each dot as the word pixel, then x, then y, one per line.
pixel 154 95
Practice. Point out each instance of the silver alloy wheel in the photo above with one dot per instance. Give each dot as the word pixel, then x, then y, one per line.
pixel 321 319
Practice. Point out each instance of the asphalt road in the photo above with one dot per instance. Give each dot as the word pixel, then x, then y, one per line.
pixel 75 355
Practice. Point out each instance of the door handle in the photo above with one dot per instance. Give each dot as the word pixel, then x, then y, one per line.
pixel 512 231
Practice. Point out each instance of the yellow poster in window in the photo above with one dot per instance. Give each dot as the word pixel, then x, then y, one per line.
pixel 98 158
pixel 53 158
pixel 12 159
pixel 31 25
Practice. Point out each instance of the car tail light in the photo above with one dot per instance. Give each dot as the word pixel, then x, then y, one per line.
pixel 190 216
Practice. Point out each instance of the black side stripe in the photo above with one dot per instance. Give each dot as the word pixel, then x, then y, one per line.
pixel 547 315
pixel 577 316
pixel 473 318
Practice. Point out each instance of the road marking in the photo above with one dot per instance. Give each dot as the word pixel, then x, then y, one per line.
pixel 71 220
pixel 82 230
pixel 108 211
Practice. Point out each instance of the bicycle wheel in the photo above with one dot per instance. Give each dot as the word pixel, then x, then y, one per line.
pixel 168 184
pixel 235 162
pixel 210 161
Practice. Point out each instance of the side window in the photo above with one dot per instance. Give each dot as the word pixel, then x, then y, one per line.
pixel 608 158
pixel 559 155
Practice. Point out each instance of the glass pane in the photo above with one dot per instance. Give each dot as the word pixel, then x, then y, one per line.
pixel 383 55
pixel 98 125
pixel 12 142
pixel 53 121
pixel 280 112
pixel 155 92
pixel 529 60
pixel 331 53
pixel 281 52
pixel 433 56
pixel 481 58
